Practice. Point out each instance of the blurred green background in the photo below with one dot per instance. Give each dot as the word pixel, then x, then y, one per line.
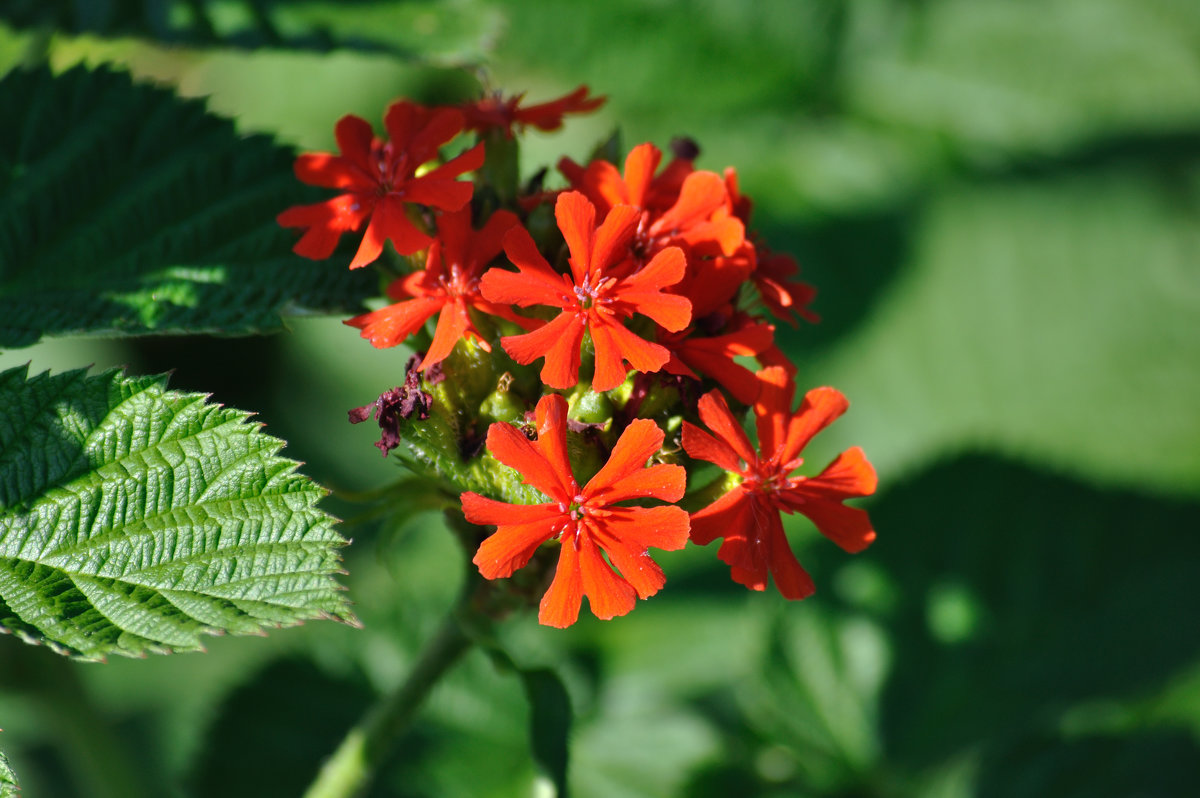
pixel 999 202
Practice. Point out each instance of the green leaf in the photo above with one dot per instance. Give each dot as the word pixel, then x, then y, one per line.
pixel 8 779
pixel 1025 597
pixel 425 29
pixel 134 519
pixel 128 211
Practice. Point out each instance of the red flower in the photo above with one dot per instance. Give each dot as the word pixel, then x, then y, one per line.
pixel 783 296
pixel 747 517
pixel 714 356
pixel 449 285
pixel 583 520
pixel 597 296
pixel 495 113
pixel 379 178
pixel 681 207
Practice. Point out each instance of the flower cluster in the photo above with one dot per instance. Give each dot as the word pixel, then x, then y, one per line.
pixel 608 335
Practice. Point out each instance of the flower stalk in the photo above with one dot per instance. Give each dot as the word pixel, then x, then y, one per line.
pixel 352 767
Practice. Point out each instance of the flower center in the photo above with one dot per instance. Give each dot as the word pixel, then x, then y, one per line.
pixel 590 295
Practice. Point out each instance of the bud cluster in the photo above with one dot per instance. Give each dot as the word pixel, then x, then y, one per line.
pixel 584 351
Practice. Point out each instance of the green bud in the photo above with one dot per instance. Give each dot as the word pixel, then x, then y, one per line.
pixel 502 404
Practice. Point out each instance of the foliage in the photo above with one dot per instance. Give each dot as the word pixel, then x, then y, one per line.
pixel 128 211
pixel 135 519
pixel 996 202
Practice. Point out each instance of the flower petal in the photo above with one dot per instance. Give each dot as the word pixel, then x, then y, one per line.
pixel 576 218
pixel 486 243
pixel 790 577
pixel 637 443
pixel 703 446
pixel 331 171
pixel 354 138
pixel 614 344
pixel 438 192
pixel 483 511
pixel 389 222
pixel 773 411
pixel 610 245
pixel 728 517
pixel 467 161
pixel 637 568
pixel 849 476
pixel 551 418
pixel 715 413
pixel 510 446
pixel 664 527
pixel 391 325
pixel 510 548
pixel 640 165
pixel 821 406
pixel 608 594
pixel 452 323
pixel 558 342
pixel 532 285
pixel 560 605
pixel 700 195
pixel 326 221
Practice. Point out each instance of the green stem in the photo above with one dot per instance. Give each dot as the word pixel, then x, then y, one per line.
pixel 349 771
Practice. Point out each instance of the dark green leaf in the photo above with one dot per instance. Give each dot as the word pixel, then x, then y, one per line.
pixel 1023 596
pixel 135 519
pixel 425 29
pixel 124 210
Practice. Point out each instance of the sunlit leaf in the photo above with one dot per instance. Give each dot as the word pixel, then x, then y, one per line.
pixel 124 210
pixel 135 519
pixel 8 779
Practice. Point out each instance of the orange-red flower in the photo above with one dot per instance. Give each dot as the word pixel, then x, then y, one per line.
pixel 713 356
pixel 680 207
pixel 782 295
pixel 494 112
pixel 747 517
pixel 598 296
pixel 585 521
pixel 449 286
pixel 378 178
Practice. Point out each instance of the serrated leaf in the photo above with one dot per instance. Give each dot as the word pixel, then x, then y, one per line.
pixel 133 519
pixel 125 210
pixel 428 29
pixel 8 779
